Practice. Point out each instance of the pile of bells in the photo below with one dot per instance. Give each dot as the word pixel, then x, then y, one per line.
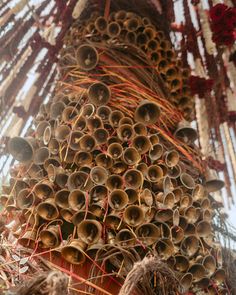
pixel 127 28
pixel 91 177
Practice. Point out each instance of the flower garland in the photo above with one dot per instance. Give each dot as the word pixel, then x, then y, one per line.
pixel 223 24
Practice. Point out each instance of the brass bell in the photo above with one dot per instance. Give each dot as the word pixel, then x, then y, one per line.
pixel 164 215
pixel 53 146
pixel 41 155
pixel 87 143
pixel 119 167
pixel 131 156
pixel 181 263
pixel 56 109
pixel 185 281
pixel 192 214
pixel 98 175
pixel 154 173
pixel 154 139
pixel 43 190
pixel 152 45
pixel 40 129
pixel 186 201
pixel 125 132
pixel 198 271
pixel 125 238
pixel 113 29
pixel 132 24
pixel 103 112
pixel 131 37
pixel 47 134
pixel 77 200
pixel 199 192
pixel 134 215
pixel 69 114
pixel 25 199
pixel 203 228
pixel 57 175
pixel 104 160
pixel 185 132
pixel 212 183
pixel 189 246
pixel 74 252
pixel 209 263
pixel 21 149
pixel 187 181
pixel 79 180
pixel 133 179
pixel 89 231
pixel 101 24
pixel 146 197
pixel 50 237
pixel 82 215
pixel 126 120
pixel 83 158
pixel 147 112
pixel 177 234
pixel 146 21
pixel 155 57
pixel 98 192
pixel 99 93
pixel 156 152
pixel 79 123
pixel 98 209
pixel 190 228
pixel 141 143
pixel 165 248
pixel 143 168
pixel 118 199
pixel 48 210
pixel 178 192
pixel 113 221
pixel 88 109
pixel 101 135
pixel 203 283
pixel 28 240
pixel 140 129
pixel 96 249
pixel 114 182
pixel 171 158
pixel 87 57
pixel 132 195
pixel 115 150
pixel 62 132
pixel 148 233
pixel 74 140
pixel 115 117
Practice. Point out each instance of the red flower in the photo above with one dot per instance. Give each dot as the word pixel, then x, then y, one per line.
pixel 200 85
pixel 218 27
pixel 217 12
pixel 226 38
pixel 230 19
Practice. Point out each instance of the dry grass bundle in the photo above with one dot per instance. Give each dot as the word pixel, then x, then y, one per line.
pixel 165 277
pixel 47 283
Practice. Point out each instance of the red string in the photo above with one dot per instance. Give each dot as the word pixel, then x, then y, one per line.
pixel 107 9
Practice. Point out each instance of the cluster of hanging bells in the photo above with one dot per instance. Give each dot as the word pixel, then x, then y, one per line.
pixel 91 178
pixel 127 28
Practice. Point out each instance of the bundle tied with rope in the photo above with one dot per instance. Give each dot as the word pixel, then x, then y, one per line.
pixel 110 175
